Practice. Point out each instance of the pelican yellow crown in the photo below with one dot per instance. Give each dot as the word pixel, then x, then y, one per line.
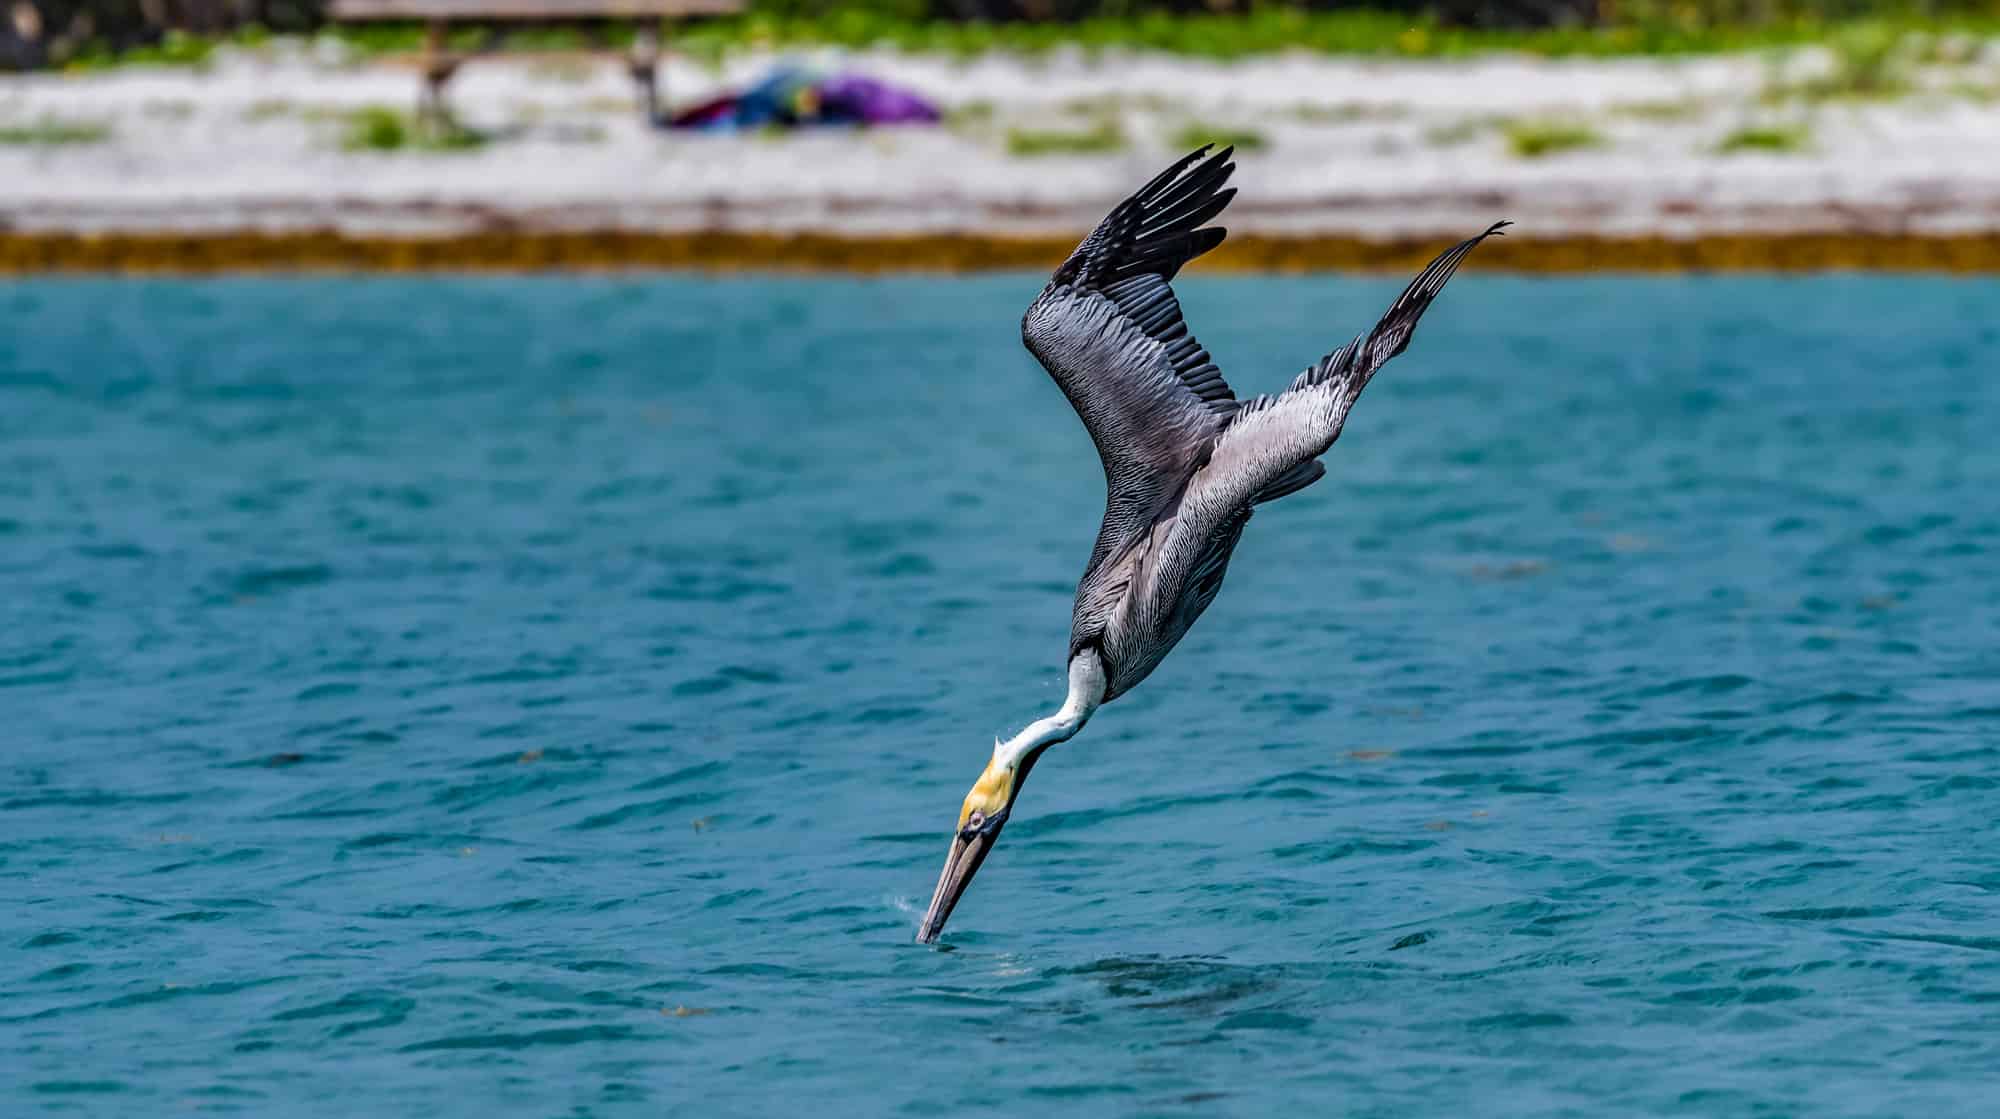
pixel 994 790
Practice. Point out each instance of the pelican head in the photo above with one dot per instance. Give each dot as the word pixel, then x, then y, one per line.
pixel 990 804
pixel 980 819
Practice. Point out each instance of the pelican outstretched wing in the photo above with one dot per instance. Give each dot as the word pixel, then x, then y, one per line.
pixel 1360 359
pixel 1271 445
pixel 1109 330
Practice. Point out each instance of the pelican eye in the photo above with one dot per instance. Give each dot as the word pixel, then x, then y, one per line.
pixel 975 821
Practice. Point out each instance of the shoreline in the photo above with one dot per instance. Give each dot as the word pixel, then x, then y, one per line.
pixel 277 159
pixel 27 254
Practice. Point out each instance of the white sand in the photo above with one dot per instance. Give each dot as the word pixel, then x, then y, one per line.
pixel 1351 146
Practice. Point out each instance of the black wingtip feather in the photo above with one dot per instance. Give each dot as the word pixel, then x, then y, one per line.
pixel 1172 172
pixel 1390 336
pixel 1161 227
pixel 1132 257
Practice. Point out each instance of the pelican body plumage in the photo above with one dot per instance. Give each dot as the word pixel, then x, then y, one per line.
pixel 1185 461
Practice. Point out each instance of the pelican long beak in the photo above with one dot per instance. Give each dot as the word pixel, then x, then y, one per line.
pixel 968 850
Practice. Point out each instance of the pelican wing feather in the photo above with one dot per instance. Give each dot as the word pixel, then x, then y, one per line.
pixel 1360 359
pixel 1272 444
pixel 1109 331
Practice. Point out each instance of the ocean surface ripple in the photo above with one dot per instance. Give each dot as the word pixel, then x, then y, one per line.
pixel 551 696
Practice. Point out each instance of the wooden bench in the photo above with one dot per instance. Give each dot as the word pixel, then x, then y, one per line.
pixel 438 16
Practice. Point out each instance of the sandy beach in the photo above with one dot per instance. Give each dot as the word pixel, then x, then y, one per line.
pixel 258 143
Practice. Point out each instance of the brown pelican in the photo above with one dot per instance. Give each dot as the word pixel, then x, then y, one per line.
pixel 1185 462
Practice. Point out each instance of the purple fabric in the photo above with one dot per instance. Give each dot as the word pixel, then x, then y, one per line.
pixel 788 98
pixel 858 97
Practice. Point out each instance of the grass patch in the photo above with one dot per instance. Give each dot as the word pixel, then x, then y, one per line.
pixel 1661 111
pixel 1948 50
pixel 1194 134
pixel 1658 29
pixel 1764 138
pixel 51 133
pixel 1869 63
pixel 408 38
pixel 376 130
pixel 970 115
pixel 379 129
pixel 1104 136
pixel 1347 112
pixel 1533 139
pixel 175 48
pixel 1650 29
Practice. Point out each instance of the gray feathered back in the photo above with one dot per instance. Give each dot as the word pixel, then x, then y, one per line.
pixel 1184 460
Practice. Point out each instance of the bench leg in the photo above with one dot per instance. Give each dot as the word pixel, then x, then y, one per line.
pixel 645 64
pixel 432 117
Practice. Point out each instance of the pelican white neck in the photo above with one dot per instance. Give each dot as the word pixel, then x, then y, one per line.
pixel 1086 691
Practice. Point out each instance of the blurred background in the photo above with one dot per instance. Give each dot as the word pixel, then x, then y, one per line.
pixel 965 133
pixel 551 692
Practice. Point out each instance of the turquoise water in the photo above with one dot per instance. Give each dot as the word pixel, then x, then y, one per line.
pixel 552 696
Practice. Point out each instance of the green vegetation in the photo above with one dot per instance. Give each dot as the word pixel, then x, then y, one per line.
pixel 972 114
pixel 1868 63
pixel 1973 91
pixel 375 129
pixel 1868 35
pixel 401 38
pixel 1951 49
pixel 1533 139
pixel 379 129
pixel 1104 136
pixel 1345 112
pixel 1677 30
pixel 50 133
pixel 1194 134
pixel 1099 104
pixel 1765 138
pixel 175 48
pixel 1663 111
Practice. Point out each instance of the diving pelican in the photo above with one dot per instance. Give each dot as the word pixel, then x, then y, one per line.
pixel 1185 461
